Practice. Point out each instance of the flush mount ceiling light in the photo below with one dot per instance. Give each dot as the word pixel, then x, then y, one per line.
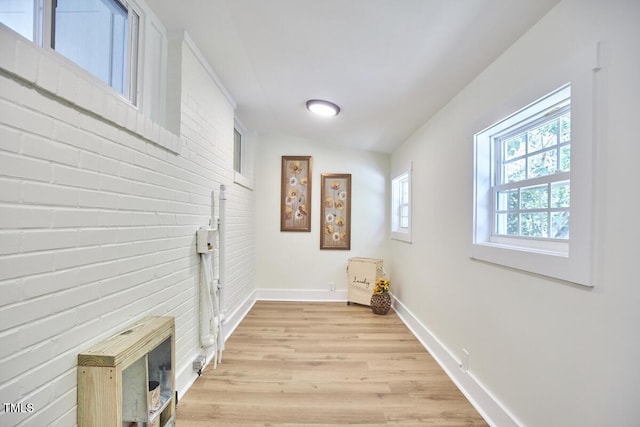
pixel 323 108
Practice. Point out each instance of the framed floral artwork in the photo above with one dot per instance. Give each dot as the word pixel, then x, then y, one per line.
pixel 295 197
pixel 335 214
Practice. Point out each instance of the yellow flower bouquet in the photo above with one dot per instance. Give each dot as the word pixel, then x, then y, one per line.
pixel 382 286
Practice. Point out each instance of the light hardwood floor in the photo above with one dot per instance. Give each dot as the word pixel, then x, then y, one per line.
pixel 324 364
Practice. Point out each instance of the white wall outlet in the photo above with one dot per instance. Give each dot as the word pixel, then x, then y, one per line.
pixel 464 364
pixel 199 363
pixel 332 286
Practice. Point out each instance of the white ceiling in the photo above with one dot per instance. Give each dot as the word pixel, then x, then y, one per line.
pixel 389 64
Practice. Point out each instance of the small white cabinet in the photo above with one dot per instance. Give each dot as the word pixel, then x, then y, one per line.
pixel 114 377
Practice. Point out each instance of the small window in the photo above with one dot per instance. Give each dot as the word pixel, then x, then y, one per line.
pixel 237 151
pixel 533 186
pixel 401 207
pixel 242 156
pixel 101 36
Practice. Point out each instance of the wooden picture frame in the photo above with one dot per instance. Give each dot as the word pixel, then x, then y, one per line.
pixel 335 213
pixel 295 193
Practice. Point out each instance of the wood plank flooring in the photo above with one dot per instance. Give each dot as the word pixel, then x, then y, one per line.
pixel 324 364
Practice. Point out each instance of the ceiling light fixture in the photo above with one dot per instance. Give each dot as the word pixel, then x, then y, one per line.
pixel 323 108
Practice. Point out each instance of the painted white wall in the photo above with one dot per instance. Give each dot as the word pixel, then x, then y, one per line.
pixel 98 212
pixel 293 261
pixel 553 354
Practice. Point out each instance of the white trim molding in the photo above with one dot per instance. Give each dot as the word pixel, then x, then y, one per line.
pixel 317 295
pixel 231 322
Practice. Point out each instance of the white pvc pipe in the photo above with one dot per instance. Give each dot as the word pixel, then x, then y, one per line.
pixel 222 261
pixel 210 316
pixel 213 211
pixel 206 305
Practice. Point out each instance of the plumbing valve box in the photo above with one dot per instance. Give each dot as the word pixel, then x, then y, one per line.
pixel 205 239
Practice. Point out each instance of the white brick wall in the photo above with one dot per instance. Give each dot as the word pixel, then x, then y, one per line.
pixel 209 134
pixel 98 220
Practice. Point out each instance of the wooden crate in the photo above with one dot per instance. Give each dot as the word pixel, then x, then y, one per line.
pixel 113 376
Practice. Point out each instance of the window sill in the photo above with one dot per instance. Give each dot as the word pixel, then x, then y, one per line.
pixel 243 181
pixel 400 236
pixel 550 263
pixel 556 248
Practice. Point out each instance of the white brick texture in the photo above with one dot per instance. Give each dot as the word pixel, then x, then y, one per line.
pixel 98 221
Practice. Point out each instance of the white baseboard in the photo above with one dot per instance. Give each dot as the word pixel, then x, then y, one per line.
pixel 232 320
pixel 300 295
pixel 485 403
pixel 186 376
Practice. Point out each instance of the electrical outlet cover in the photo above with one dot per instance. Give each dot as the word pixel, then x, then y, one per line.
pixel 465 360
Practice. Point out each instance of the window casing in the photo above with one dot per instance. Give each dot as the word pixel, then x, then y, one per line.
pixel 401 206
pixel 564 192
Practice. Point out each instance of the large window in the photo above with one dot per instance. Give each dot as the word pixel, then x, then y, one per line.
pixel 101 36
pixel 532 186
pixel 532 178
pixel 401 206
pixel 527 161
